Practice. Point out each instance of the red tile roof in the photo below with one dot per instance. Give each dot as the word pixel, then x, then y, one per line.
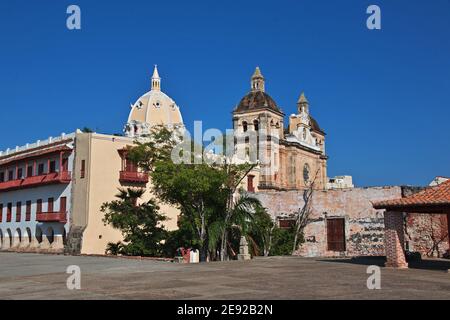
pixel 33 153
pixel 434 196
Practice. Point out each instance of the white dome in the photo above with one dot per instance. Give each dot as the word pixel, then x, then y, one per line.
pixel 152 109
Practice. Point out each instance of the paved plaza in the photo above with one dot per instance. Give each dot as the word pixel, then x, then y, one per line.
pixel 34 276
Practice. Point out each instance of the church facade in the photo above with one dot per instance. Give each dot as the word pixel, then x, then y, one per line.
pixel 289 158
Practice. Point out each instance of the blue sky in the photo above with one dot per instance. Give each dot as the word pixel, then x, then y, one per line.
pixel 382 96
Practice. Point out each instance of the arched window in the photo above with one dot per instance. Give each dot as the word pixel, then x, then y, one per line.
pixel 256 125
pixel 306 173
pixel 244 126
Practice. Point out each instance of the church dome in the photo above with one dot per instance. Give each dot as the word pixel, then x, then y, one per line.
pixel 257 100
pixel 152 109
pixel 315 125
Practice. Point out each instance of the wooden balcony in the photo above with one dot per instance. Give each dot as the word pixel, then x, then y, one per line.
pixel 37 181
pixel 52 217
pixel 133 177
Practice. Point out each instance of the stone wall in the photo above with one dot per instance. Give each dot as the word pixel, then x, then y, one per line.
pixel 427 234
pixel 364 226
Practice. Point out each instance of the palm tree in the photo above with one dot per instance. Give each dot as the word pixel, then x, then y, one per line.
pixel 235 223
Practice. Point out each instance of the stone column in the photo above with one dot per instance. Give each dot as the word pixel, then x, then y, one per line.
pixel 57 244
pixel 34 244
pixel 243 250
pixel 45 244
pixel 16 242
pixel 394 240
pixel 25 242
pixel 6 242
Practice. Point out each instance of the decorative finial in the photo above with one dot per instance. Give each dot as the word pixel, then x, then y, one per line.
pixel 257 73
pixel 303 104
pixel 302 98
pixel 156 80
pixel 257 83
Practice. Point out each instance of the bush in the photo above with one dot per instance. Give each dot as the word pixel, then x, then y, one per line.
pixel 183 237
pixel 283 241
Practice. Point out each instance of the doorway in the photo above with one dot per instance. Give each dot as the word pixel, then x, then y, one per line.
pixel 336 234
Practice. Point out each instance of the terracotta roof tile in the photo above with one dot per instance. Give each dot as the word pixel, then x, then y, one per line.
pixel 437 195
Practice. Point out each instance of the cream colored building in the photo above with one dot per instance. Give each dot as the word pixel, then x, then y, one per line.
pixel 51 192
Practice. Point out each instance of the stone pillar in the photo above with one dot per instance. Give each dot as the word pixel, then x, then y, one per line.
pixel 25 242
pixel 6 242
pixel 448 230
pixel 243 250
pixel 57 244
pixel 16 242
pixel 45 244
pixel 34 244
pixel 394 235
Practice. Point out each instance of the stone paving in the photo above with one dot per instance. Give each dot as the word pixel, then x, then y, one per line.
pixel 34 276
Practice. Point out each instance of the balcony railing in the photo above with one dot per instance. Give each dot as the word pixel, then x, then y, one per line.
pixel 52 217
pixel 36 181
pixel 133 177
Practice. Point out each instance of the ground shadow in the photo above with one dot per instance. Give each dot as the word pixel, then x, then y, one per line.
pixel 425 264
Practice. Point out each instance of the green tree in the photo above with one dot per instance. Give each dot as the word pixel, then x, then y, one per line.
pixel 184 237
pixel 204 192
pixel 140 224
pixel 87 130
pixel 261 233
pixel 283 241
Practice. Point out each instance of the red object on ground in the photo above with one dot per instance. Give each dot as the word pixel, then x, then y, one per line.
pixel 186 255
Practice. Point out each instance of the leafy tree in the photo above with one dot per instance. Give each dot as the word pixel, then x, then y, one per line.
pixel 140 224
pixel 184 237
pixel 195 189
pixel 203 192
pixel 283 240
pixel 262 231
pixel 238 210
pixel 87 130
